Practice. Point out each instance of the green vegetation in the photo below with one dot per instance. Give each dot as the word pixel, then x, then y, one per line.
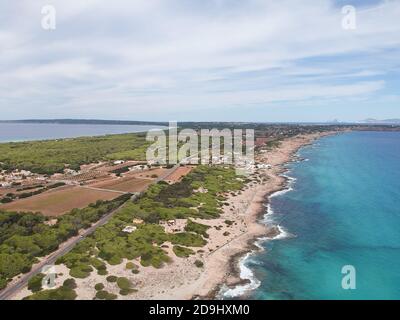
pixel 199 264
pixel 112 279
pixel 25 236
pixel 70 284
pixel 182 252
pixel 99 286
pixel 104 295
pixel 197 228
pixel 62 293
pixel 160 202
pixel 130 266
pixel 124 283
pixel 35 283
pixel 50 156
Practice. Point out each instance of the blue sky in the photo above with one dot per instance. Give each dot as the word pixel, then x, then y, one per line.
pixel 209 60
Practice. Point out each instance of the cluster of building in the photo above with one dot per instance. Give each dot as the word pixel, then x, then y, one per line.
pixel 18 177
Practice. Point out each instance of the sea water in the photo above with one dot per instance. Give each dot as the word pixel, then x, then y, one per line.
pixel 343 209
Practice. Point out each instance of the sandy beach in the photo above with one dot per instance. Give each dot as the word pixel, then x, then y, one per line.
pixel 231 236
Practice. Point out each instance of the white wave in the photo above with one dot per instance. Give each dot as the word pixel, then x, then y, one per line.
pixel 283 234
pixel 245 274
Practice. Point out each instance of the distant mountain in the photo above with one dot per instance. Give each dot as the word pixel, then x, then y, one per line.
pixel 385 121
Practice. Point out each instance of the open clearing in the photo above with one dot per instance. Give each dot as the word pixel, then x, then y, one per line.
pixel 126 184
pixel 58 202
pixel 149 174
pixel 178 174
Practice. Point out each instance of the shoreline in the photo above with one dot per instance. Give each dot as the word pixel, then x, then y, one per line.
pixel 228 243
pixel 236 262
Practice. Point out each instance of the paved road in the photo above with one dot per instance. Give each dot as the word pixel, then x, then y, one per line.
pixel 51 259
pixel 64 248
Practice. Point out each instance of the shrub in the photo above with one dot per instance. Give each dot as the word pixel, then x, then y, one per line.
pixel 112 279
pixel 99 286
pixel 35 283
pixel 130 266
pixel 80 271
pixel 104 295
pixel 123 283
pixel 182 252
pixel 125 292
pixel 199 264
pixel 70 284
pixel 6 200
pixel 61 293
pixel 102 272
pixel 3 283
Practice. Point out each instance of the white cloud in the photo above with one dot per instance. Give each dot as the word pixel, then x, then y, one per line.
pixel 173 55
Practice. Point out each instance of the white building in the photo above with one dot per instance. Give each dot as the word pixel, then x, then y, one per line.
pixel 129 229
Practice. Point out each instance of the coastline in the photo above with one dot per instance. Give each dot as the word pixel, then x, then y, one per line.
pixel 228 244
pixel 236 285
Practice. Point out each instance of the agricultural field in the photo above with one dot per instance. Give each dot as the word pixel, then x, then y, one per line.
pixel 58 202
pixel 53 156
pixel 150 174
pixel 178 174
pixel 126 184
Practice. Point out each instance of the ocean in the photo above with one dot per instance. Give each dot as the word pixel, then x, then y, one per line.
pixel 342 209
pixel 12 132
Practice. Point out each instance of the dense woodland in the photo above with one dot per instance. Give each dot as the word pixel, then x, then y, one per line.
pixel 51 156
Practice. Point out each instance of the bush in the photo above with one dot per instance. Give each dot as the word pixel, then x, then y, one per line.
pixel 6 200
pixel 102 272
pixel 125 292
pixel 61 293
pixel 124 284
pixel 99 286
pixel 35 283
pixel 182 252
pixel 3 283
pixel 104 295
pixel 199 264
pixel 112 279
pixel 130 266
pixel 70 283
pixel 80 271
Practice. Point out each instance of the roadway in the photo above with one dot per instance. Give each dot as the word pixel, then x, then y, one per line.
pixel 19 283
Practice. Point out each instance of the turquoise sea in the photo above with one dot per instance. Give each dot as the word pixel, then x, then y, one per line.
pixel 344 209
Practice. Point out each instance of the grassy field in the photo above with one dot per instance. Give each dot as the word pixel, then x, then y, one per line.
pixel 51 156
pixel 55 203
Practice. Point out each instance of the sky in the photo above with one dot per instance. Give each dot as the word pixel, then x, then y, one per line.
pixel 192 60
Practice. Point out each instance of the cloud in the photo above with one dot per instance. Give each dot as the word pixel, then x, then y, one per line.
pixel 179 56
